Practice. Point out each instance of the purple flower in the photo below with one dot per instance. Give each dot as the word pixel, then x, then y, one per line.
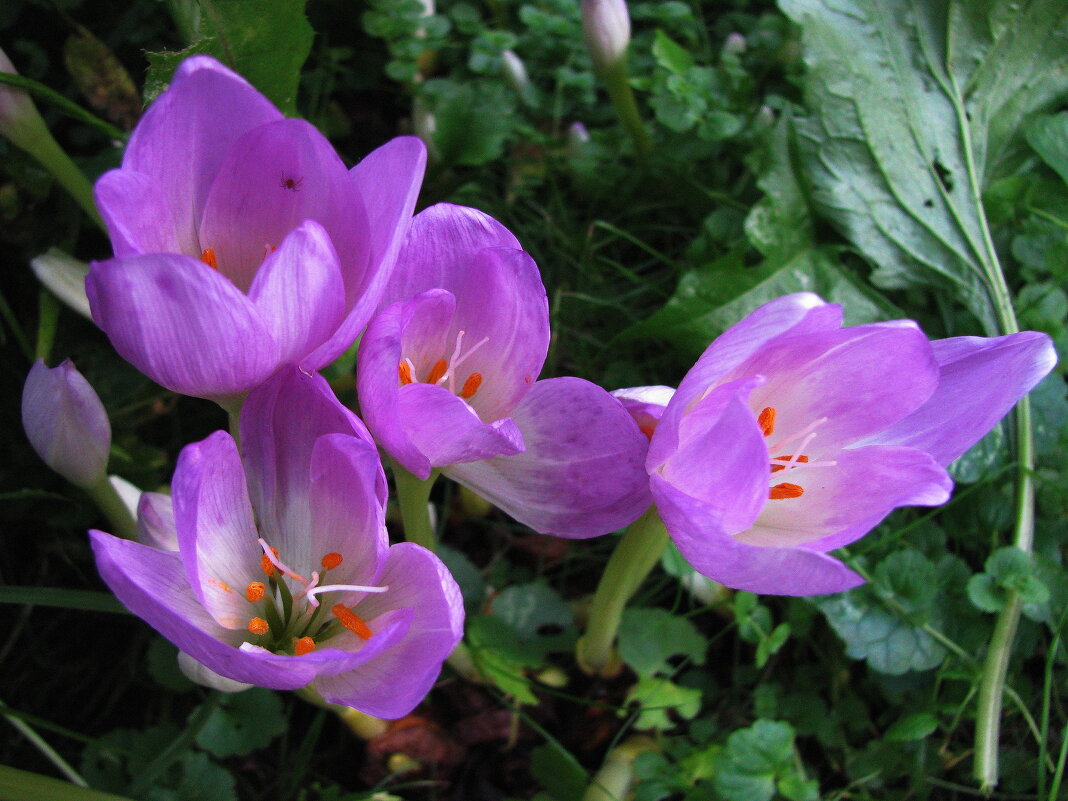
pixel 283 575
pixel 793 436
pixel 66 423
pixel 241 241
pixel 446 379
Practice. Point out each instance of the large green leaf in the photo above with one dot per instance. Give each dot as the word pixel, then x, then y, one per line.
pixel 915 108
pixel 266 41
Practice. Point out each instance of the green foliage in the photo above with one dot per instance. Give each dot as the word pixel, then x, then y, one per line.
pixel 760 760
pixel 915 109
pixel 661 703
pixel 266 41
pixel 648 637
pixel 242 723
pixel 1007 570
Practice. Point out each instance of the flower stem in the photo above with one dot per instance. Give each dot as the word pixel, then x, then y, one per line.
pixel 635 556
pixel 107 499
pixel 413 495
pixel 618 85
pixel 359 723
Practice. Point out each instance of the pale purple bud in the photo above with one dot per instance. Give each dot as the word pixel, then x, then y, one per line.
pixel 735 44
pixel 19 120
pixel 515 72
pixel 606 25
pixel 66 423
pixel 577 139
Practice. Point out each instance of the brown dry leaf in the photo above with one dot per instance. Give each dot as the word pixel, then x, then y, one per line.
pixel 102 79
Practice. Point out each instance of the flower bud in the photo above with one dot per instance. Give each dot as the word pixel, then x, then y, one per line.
pixel 606 25
pixel 19 119
pixel 515 72
pixel 577 139
pixel 66 423
pixel 735 44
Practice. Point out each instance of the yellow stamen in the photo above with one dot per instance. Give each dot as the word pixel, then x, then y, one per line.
pixel 783 491
pixel 254 591
pixel 305 645
pixel 352 621
pixel 405 373
pixel 258 625
pixel 471 385
pixel 331 560
pixel 766 420
pixel 437 371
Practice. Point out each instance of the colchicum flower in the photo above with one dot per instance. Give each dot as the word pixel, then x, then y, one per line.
pixel 606 26
pixel 792 436
pixel 66 423
pixel 283 575
pixel 446 379
pixel 241 241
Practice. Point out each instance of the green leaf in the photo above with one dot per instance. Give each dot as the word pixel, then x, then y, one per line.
pixel 709 300
pixel 1008 570
pixel 22 785
pixel 501 656
pixel 649 637
pixel 912 727
pixel 87 600
pixel 265 41
pixel 985 594
pixel 472 585
pixel 916 108
pixel 1048 135
pixel 162 663
pixel 888 643
pixel 657 697
pixel 533 610
pixel 909 579
pixel 559 772
pixel 242 723
pixel 670 55
pixel 472 119
pixel 752 760
pixel 780 224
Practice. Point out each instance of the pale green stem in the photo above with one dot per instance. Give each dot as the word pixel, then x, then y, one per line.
pixel 232 406
pixel 54 158
pixel 615 780
pixel 413 495
pixel 998 655
pixel 636 554
pixel 107 499
pixel 618 85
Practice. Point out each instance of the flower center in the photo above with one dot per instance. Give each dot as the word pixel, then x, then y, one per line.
pixel 446 370
pixel 789 462
pixel 289 619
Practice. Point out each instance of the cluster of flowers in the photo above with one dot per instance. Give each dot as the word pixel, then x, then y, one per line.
pixel 247 258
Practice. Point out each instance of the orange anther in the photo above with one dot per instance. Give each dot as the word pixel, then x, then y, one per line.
pixel 766 420
pixel 405 373
pixel 254 591
pixel 267 565
pixel 305 645
pixel 775 468
pixel 258 625
pixel 331 560
pixel 471 385
pixel 437 371
pixel 208 257
pixel 783 491
pixel 352 621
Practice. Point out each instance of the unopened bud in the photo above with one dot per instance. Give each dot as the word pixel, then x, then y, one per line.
pixel 735 44
pixel 514 71
pixel 606 25
pixel 66 423
pixel 19 119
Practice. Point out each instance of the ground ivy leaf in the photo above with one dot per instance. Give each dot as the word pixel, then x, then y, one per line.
pixel 912 727
pixel 908 578
pixel 242 723
pixel 888 643
pixel 649 637
pixel 916 107
pixel 657 697
pixel 532 609
pixel 752 760
pixel 472 585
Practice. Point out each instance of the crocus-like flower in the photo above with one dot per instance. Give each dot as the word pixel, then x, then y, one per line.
pixel 242 243
pixel 792 436
pixel 606 25
pixel 66 423
pixel 282 574
pixel 446 378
